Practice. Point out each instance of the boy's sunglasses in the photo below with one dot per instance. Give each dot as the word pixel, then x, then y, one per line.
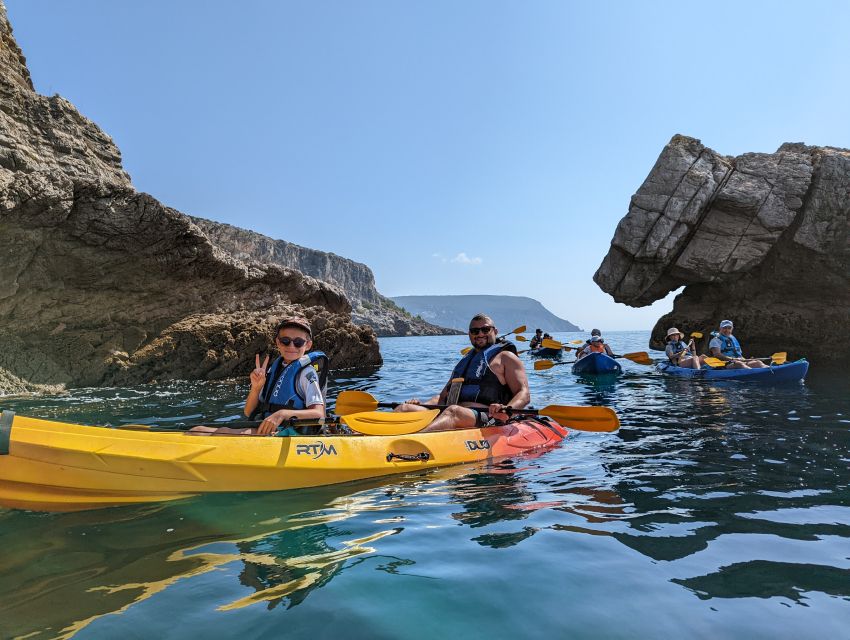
pixel 476 330
pixel 286 341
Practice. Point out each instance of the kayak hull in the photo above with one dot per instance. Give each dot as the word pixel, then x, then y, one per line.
pixel 596 363
pixel 54 466
pixel 779 373
pixel 544 352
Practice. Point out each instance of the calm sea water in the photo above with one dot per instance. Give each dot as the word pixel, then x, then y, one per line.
pixel 718 510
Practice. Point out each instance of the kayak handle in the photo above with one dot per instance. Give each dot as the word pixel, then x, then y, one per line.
pixel 406 457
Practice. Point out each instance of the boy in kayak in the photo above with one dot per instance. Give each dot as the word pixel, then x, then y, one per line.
pixel 537 340
pixel 290 388
pixel 725 346
pixel 679 353
pixel 596 344
pixel 487 380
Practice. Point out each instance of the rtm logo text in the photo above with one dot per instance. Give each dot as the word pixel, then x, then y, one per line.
pixel 317 450
pixel 474 445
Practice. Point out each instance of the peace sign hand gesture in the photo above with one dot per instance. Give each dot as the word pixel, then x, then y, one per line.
pixel 258 375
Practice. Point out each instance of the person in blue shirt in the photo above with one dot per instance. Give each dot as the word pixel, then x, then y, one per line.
pixel 724 346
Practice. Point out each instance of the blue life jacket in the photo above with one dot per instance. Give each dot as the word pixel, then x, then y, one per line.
pixel 730 348
pixel 480 384
pixel 281 390
pixel 681 348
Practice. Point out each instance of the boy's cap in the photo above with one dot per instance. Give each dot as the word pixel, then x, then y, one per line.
pixel 596 339
pixel 726 323
pixel 296 321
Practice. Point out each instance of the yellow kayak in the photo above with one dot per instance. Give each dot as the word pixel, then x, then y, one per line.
pixel 56 466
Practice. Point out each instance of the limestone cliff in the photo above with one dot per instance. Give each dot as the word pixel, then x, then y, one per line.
pixel 101 284
pixel 761 238
pixel 355 279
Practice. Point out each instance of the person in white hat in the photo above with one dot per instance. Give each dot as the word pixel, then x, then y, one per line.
pixel 679 353
pixel 724 346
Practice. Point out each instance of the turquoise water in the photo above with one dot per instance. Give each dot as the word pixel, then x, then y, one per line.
pixel 718 510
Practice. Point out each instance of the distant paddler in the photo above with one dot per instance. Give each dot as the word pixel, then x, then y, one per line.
pixel 537 340
pixel 681 354
pixel 724 346
pixel 487 381
pixel 595 344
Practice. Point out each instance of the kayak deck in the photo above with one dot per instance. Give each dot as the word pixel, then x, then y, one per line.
pixel 546 352
pixel 597 363
pixel 788 372
pixel 55 466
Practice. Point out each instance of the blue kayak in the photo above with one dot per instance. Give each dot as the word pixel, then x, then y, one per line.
pixel 545 353
pixel 597 363
pixel 788 372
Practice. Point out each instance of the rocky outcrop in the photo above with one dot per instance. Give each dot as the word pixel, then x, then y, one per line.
pixel 761 238
pixel 101 284
pixel 355 279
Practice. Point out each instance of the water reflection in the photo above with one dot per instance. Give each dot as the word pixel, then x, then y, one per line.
pixel 708 493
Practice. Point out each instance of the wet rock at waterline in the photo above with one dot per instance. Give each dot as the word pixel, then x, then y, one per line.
pixel 760 238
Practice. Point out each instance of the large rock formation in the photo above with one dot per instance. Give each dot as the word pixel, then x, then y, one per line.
pixel 762 239
pixel 100 284
pixel 354 278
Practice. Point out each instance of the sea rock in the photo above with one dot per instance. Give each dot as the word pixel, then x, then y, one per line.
pixel 101 284
pixel 762 239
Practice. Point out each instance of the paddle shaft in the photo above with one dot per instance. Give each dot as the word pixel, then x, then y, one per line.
pixel 292 422
pixel 510 410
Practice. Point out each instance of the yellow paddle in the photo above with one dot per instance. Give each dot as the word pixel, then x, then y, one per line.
pixel 780 357
pixel 596 419
pixel 638 357
pixel 520 329
pixel 386 423
pixel 554 344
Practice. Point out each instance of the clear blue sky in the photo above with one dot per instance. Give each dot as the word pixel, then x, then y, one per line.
pixel 406 134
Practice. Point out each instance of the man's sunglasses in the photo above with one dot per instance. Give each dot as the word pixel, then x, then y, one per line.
pixel 474 331
pixel 286 341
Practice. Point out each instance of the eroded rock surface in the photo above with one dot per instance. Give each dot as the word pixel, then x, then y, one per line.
pixel 355 279
pixel 761 238
pixel 101 284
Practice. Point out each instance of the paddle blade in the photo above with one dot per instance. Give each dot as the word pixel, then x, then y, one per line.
pixel 576 341
pixel 779 358
pixel 542 365
pixel 551 344
pixel 383 423
pixel 696 334
pixel 596 419
pixel 520 329
pixel 521 339
pixel 348 402
pixel 465 351
pixel 715 362
pixel 639 357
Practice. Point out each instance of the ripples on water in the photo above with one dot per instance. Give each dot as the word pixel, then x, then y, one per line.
pixel 717 510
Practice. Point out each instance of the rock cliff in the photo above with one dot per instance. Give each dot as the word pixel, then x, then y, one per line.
pixel 761 238
pixel 355 279
pixel 101 284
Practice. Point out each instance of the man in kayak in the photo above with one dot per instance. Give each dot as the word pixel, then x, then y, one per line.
pixel 292 387
pixel 537 340
pixel 596 344
pixel 724 346
pixel 488 380
pixel 679 353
